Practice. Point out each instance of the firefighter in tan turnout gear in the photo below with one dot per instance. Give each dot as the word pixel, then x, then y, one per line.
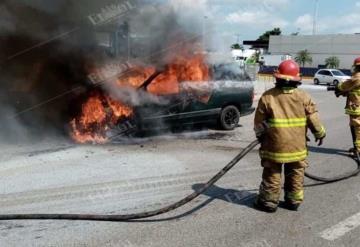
pixel 351 89
pixel 286 112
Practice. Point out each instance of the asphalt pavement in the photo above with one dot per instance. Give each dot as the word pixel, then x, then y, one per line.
pixel 55 176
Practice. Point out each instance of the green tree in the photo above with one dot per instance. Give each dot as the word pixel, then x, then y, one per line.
pixel 332 62
pixel 303 57
pixel 237 47
pixel 266 36
pixel 251 60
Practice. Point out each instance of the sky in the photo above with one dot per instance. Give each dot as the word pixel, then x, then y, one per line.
pixel 249 18
pixel 224 22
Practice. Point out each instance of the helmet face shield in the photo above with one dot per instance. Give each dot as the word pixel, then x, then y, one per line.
pixel 281 83
pixel 355 69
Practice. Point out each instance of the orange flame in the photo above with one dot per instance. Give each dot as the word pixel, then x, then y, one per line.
pixel 99 113
pixel 182 69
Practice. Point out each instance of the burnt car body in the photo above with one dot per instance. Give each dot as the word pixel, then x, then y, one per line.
pixel 219 102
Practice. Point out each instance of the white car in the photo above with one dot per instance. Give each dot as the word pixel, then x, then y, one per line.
pixel 330 77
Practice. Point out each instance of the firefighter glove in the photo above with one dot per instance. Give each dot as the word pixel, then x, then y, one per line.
pixel 337 92
pixel 320 141
pixel 260 130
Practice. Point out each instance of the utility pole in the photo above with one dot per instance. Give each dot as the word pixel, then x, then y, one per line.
pixel 128 47
pixel 315 16
pixel 204 31
pixel 238 38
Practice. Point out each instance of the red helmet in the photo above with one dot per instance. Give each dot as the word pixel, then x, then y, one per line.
pixel 288 70
pixel 357 61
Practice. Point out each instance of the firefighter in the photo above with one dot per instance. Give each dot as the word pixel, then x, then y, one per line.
pixel 351 90
pixel 286 112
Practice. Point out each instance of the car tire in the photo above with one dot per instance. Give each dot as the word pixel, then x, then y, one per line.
pixel 316 81
pixel 229 117
pixel 336 82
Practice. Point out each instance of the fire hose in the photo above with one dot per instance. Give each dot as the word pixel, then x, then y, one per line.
pixel 182 202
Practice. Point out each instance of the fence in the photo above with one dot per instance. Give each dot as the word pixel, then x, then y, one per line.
pixel 306 72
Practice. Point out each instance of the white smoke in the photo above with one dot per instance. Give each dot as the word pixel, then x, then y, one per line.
pixel 131 96
pixel 165 28
pixel 12 129
pixel 162 30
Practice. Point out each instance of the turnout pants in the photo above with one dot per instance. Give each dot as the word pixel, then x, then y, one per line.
pixel 355 131
pixel 270 188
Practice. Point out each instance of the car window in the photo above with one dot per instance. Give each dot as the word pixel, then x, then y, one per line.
pixel 229 72
pixel 199 90
pixel 337 73
pixel 321 72
pixel 326 72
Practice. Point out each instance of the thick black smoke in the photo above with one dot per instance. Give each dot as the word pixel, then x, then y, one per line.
pixel 47 49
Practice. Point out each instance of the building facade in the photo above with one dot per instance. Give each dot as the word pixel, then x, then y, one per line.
pixel 344 46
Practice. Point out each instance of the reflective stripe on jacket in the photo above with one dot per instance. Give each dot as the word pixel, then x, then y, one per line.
pixel 288 113
pixel 351 88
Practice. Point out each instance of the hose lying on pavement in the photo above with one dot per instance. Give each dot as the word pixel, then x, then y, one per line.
pixel 144 215
pixel 129 217
pixel 338 178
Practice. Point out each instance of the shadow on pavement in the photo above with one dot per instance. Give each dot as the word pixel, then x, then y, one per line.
pixel 238 197
pixel 333 151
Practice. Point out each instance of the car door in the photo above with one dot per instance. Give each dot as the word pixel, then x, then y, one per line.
pixel 198 110
pixel 328 77
pixel 160 113
pixel 321 76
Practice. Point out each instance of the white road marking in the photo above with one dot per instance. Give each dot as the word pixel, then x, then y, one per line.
pixel 341 228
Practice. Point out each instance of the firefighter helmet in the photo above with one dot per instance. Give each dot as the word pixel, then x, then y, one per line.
pixel 357 62
pixel 289 71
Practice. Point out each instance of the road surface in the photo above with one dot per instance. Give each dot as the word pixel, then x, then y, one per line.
pixel 55 176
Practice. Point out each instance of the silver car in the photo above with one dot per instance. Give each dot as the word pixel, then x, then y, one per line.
pixel 330 77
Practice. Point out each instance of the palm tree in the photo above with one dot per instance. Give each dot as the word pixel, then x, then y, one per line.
pixel 303 57
pixel 237 47
pixel 332 62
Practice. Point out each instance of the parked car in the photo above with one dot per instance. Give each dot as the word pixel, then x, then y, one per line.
pixel 221 101
pixel 330 77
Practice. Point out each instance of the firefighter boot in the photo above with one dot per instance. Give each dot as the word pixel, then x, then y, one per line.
pixel 291 206
pixel 265 207
pixel 353 135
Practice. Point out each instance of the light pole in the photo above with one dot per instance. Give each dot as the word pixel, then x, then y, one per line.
pixel 204 30
pixel 129 46
pixel 315 16
pixel 238 38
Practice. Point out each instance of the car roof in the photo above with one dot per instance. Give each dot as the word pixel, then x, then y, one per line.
pixel 328 70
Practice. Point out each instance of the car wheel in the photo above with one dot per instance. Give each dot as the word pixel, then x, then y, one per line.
pixel 336 82
pixel 316 81
pixel 229 117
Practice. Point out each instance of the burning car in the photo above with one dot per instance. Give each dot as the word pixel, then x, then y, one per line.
pixel 218 102
pixel 185 92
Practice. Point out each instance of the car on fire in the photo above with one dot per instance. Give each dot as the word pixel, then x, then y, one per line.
pixel 221 102
pixel 186 94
